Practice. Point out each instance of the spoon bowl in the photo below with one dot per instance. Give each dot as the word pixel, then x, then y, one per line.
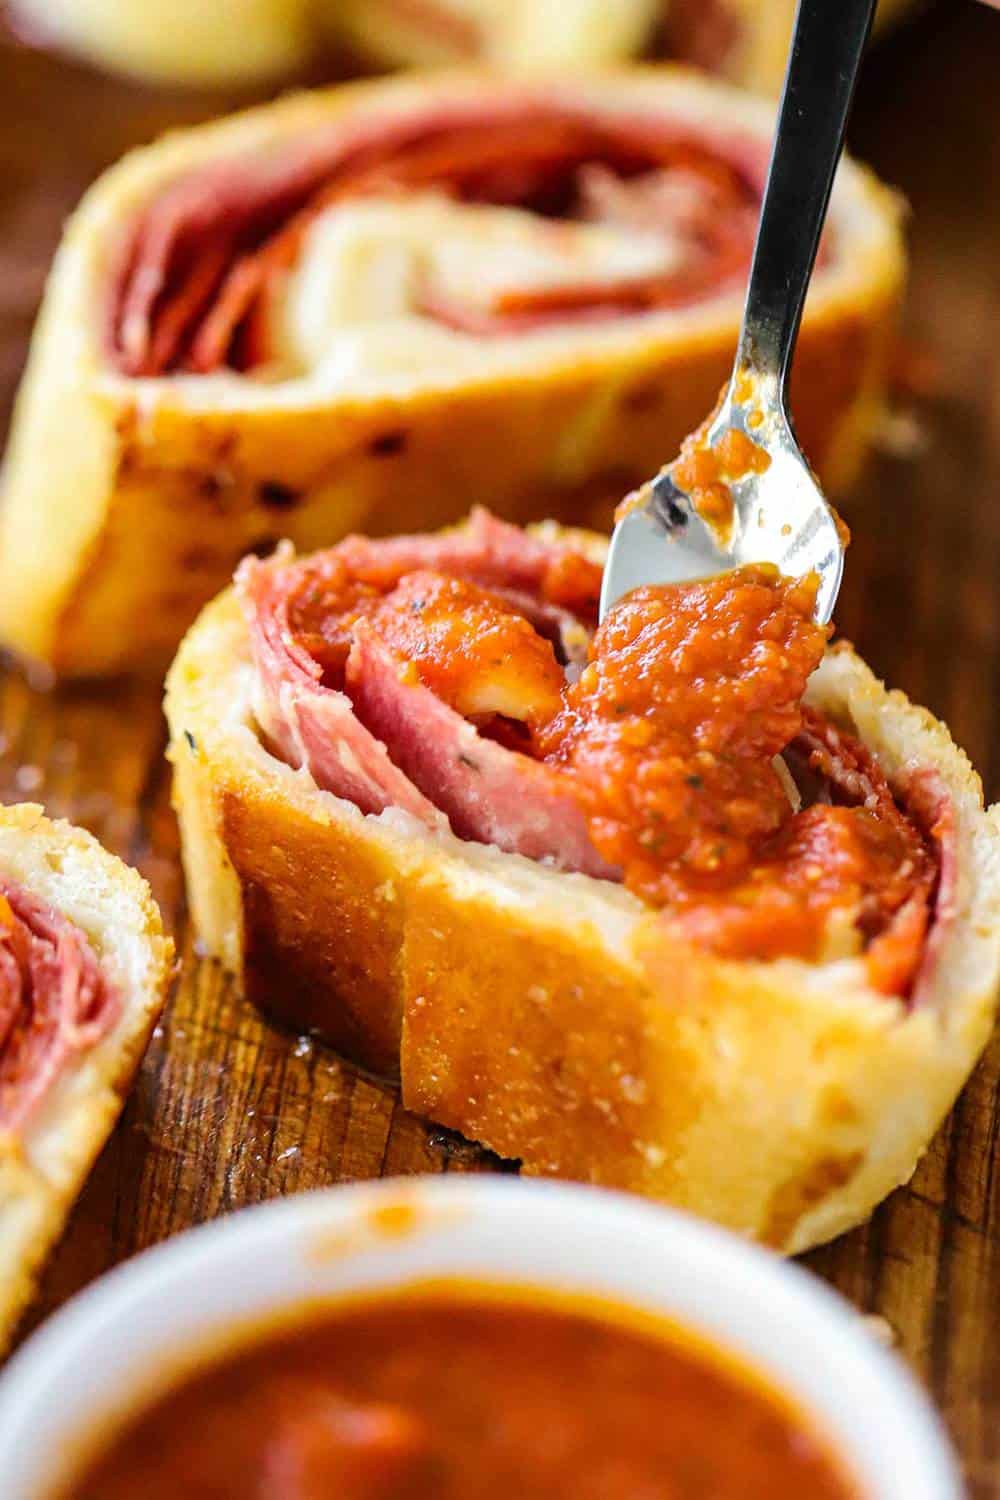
pixel 762 503
pixel 778 512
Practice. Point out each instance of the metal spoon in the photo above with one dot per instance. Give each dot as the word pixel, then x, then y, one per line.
pixel 779 514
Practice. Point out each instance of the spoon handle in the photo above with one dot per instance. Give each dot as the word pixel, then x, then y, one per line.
pixel 827 47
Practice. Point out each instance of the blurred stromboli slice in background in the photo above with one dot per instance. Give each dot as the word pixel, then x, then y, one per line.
pixel 197 42
pixel 364 307
pixel 745 41
pixel 189 41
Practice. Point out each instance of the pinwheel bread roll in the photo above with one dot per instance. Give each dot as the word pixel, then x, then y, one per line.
pixel 745 41
pixel 364 307
pixel 182 41
pixel 84 967
pixel 562 886
pixel 193 42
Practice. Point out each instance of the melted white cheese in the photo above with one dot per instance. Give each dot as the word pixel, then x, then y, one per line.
pixel 359 298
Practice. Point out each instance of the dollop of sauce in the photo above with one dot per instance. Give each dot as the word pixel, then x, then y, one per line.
pixel 672 732
pixel 450 626
pixel 672 729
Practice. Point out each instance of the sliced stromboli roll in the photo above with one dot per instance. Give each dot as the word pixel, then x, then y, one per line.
pixel 184 41
pixel 84 966
pixel 189 41
pixel 350 308
pixel 562 886
pixel 745 41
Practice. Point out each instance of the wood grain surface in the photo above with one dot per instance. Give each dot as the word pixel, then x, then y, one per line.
pixel 228 1110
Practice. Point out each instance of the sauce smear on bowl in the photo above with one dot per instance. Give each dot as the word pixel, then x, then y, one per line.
pixel 452 1391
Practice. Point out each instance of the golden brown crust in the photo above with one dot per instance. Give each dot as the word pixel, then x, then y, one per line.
pixel 557 1020
pixel 184 41
pixel 128 502
pixel 42 1171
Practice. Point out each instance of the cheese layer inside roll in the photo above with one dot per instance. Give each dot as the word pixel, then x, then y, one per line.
pixel 84 966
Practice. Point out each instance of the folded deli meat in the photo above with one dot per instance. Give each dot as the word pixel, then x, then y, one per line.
pixel 620 902
pixel 55 1002
pixel 354 307
pixel 83 968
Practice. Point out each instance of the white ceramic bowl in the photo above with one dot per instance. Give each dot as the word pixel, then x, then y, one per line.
pixel 108 1344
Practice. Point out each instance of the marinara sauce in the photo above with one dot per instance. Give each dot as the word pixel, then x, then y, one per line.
pixel 455 1395
pixel 673 731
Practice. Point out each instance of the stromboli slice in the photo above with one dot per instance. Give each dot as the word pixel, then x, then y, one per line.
pixel 84 967
pixel 742 40
pixel 348 308
pixel 184 40
pixel 554 1016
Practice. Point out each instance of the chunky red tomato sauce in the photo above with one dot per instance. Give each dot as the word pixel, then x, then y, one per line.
pixel 448 1397
pixel 676 732
pixel 673 730
pixel 437 619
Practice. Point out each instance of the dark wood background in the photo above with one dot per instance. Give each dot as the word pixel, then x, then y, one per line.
pixel 227 1110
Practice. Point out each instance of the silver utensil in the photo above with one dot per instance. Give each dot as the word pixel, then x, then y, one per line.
pixel 778 512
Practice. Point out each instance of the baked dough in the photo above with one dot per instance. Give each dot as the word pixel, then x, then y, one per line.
pixel 555 1018
pixel 176 41
pixel 507 34
pixel 129 498
pixel 745 41
pixel 43 1163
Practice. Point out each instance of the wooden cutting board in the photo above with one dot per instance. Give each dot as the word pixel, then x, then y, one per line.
pixel 227 1110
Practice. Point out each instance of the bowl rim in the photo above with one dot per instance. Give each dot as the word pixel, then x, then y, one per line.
pixel 779 1292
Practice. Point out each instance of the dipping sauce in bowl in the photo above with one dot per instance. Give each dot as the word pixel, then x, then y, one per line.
pixel 452 1390
pixel 473 1336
